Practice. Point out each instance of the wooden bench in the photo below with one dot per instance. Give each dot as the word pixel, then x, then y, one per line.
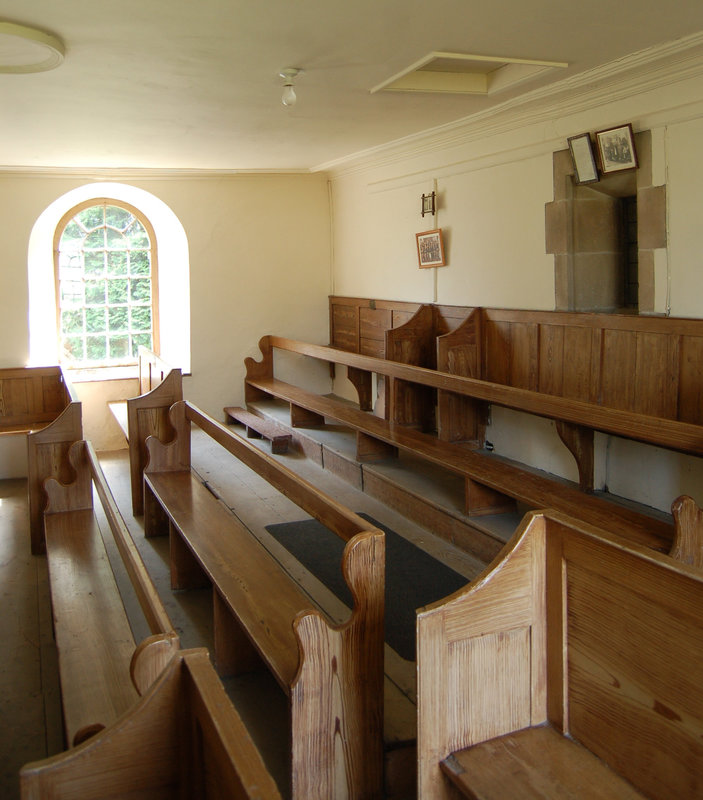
pixel 40 402
pixel 183 738
pixel 101 670
pixel 571 667
pixel 331 673
pixel 257 427
pixel 160 385
pixel 489 480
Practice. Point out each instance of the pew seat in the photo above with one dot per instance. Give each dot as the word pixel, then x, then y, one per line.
pixel 93 637
pixel 331 673
pixel 534 764
pixel 102 671
pixel 379 438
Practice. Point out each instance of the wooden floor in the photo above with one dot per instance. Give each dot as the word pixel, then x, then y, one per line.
pixel 29 698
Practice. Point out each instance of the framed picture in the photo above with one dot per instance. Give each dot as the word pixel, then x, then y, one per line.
pixel 430 249
pixel 616 147
pixel 428 203
pixel 585 168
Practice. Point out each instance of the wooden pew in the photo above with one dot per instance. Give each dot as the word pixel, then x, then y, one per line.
pixel 379 438
pixel 40 402
pixel 160 385
pixel 102 671
pixel 183 738
pixel 570 668
pixel 332 674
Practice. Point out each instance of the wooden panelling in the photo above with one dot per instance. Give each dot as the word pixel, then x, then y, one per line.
pixel 690 389
pixel 345 327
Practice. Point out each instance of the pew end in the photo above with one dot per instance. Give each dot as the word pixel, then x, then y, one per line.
pixel 184 738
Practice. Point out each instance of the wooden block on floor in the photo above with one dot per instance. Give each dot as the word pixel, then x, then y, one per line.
pixel 258 426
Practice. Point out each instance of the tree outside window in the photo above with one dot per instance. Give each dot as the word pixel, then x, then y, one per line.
pixel 106 285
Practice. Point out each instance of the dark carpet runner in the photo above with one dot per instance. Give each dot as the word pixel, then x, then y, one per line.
pixel 413 578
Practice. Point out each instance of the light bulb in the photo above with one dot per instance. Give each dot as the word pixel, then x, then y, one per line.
pixel 289 97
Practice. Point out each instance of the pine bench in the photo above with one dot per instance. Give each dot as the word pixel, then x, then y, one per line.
pixel 571 667
pixel 183 738
pixel 483 472
pixel 160 385
pixel 332 674
pixel 102 671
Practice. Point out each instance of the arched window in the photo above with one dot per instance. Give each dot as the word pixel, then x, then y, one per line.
pixel 106 282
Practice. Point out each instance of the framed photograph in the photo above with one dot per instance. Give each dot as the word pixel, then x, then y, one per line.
pixel 430 249
pixel 616 147
pixel 428 203
pixel 585 168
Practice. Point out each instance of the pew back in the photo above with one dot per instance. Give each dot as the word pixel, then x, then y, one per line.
pixel 571 627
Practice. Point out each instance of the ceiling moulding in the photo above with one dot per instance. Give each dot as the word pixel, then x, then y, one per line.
pixel 460 73
pixel 613 82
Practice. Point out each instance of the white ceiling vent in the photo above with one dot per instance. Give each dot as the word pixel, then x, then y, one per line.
pixel 459 73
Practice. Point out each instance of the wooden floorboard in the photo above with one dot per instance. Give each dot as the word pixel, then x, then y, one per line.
pixel 29 698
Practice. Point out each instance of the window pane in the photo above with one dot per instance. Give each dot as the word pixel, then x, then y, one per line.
pixel 72 237
pixel 115 240
pixel 72 321
pixel 94 292
pixel 138 237
pixel 141 318
pixel 95 320
pixel 117 291
pixel 95 348
pixel 73 348
pixel 95 240
pixel 119 347
pixel 104 273
pixel 117 217
pixel 95 262
pixel 143 339
pixel 91 217
pixel 119 319
pixel 72 293
pixel 141 290
pixel 117 262
pixel 139 262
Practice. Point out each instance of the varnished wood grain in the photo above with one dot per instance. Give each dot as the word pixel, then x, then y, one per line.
pixel 534 764
pixel 332 673
pixel 184 738
pixel 535 490
pixel 616 639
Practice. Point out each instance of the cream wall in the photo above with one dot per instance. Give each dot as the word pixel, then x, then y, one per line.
pixel 493 177
pixel 259 263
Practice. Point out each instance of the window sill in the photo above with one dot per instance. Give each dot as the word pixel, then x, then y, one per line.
pixel 95 374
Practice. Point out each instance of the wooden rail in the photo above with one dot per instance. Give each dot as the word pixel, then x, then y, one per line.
pixel 669 433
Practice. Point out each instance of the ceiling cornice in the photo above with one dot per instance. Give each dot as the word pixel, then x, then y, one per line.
pixel 617 80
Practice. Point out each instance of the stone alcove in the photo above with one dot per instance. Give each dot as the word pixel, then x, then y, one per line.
pixel 600 233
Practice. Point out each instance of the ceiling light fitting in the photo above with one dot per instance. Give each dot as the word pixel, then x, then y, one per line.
pixel 24 49
pixel 289 97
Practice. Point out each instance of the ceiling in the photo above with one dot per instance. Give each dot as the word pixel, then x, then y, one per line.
pixel 180 84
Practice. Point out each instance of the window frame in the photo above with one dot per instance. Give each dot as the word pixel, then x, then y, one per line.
pixel 154 264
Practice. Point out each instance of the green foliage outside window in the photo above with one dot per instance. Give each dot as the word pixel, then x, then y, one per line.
pixel 105 287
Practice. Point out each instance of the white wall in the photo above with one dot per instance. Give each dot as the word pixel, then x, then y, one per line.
pixel 259 263
pixel 493 177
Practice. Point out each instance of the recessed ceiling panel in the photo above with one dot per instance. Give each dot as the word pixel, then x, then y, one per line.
pixel 460 73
